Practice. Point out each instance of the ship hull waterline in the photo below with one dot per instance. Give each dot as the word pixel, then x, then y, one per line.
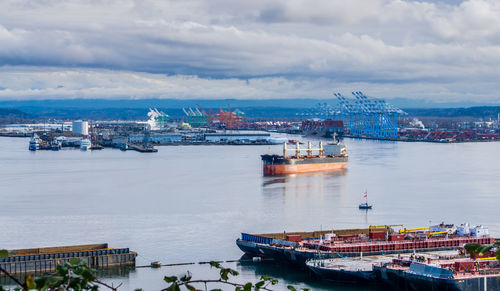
pixel 400 280
pixel 299 258
pixel 275 170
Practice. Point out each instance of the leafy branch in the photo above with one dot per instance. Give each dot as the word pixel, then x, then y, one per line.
pixel 225 273
pixel 478 249
pixel 76 275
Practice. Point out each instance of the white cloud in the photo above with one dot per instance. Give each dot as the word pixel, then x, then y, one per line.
pixel 52 83
pixel 114 48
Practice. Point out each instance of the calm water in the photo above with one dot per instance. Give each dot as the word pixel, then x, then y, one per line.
pixel 190 203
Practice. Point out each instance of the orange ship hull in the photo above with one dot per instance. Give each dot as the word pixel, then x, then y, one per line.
pixel 285 169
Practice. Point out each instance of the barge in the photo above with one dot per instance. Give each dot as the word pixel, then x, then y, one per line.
pixel 332 157
pixel 359 269
pixel 44 260
pixel 421 272
pixel 297 248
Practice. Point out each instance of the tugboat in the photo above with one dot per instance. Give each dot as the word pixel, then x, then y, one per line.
pixel 85 144
pixel 34 143
pixel 55 145
pixel 365 204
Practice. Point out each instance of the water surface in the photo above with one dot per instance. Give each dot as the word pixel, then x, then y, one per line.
pixel 190 203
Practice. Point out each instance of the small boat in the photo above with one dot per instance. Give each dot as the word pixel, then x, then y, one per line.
pixel 34 143
pixel 365 204
pixel 55 145
pixel 85 144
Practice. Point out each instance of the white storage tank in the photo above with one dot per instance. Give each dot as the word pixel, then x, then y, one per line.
pixel 80 127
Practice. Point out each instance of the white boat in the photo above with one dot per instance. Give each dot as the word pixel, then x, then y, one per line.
pixel 85 144
pixel 277 140
pixel 34 143
pixel 55 145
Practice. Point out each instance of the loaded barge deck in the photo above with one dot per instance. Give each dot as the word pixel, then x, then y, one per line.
pixel 299 247
pixel 430 273
pixel 44 260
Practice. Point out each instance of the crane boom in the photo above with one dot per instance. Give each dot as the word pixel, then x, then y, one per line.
pixel 405 230
pixel 438 232
pixel 384 226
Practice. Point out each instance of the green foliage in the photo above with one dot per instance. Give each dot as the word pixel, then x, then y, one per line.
pixel 472 248
pixel 4 254
pixel 477 249
pixel 77 276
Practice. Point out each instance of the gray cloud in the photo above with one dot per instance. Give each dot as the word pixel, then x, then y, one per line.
pixel 124 48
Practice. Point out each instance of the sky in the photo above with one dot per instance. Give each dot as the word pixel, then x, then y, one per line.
pixel 444 51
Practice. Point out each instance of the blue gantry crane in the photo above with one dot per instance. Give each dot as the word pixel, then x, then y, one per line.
pixel 368 117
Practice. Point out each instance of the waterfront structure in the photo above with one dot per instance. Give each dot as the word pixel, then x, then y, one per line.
pixel 368 117
pixel 235 137
pixel 44 260
pixel 196 118
pixel 157 119
pixel 215 119
pixel 323 128
pixel 80 127
pixel 156 138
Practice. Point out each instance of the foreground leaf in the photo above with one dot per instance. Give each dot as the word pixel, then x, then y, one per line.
pixel 170 279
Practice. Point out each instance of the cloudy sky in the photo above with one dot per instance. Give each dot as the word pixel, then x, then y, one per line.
pixel 440 50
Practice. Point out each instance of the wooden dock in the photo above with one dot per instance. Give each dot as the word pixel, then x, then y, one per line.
pixel 44 260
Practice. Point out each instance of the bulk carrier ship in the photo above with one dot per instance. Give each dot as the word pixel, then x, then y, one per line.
pixel 332 157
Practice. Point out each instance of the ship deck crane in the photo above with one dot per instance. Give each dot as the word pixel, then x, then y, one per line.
pixel 387 228
pixel 405 230
pixel 439 232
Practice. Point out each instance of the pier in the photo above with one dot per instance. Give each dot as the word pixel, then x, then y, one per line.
pixel 44 260
pixel 141 148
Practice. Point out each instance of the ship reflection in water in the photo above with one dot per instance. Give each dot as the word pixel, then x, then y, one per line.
pixel 309 191
pixel 306 183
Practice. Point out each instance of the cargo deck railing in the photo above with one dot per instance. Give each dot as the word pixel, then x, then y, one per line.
pixel 309 235
pixel 61 249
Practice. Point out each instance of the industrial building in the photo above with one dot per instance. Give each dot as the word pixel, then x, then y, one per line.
pixel 235 137
pixel 157 138
pixel 80 127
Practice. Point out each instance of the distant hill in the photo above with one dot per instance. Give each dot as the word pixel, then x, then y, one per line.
pixel 103 109
pixel 475 112
pixel 12 116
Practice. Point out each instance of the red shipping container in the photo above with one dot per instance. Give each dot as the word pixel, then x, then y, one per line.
pixel 294 238
pixel 460 266
pixel 377 235
pixel 396 237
